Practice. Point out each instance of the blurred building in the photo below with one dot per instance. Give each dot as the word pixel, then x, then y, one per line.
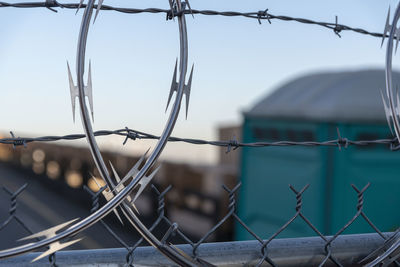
pixel 312 108
pixel 196 201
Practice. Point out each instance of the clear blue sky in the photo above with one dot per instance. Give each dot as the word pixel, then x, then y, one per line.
pixel 237 61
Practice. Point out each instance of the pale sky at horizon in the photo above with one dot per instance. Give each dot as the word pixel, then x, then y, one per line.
pixel 237 61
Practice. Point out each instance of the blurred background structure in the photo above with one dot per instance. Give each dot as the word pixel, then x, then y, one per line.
pixel 319 107
pixel 315 107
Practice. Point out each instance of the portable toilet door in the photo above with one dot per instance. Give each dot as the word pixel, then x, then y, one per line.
pixel 266 200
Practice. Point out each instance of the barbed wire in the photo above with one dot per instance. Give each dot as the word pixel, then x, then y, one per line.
pixel 258 15
pixel 233 144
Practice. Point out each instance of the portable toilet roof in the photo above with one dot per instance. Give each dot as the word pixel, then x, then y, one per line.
pixel 329 96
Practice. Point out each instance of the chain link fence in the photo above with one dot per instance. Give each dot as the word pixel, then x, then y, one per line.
pixel 336 250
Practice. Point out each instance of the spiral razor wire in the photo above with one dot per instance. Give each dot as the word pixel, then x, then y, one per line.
pixel 137 177
pixel 391 103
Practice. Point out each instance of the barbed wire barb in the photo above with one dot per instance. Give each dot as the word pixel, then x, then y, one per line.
pixel 337 28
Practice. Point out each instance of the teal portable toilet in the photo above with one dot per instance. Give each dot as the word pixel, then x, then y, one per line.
pixel 312 108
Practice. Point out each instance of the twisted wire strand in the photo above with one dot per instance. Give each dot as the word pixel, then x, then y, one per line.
pixel 233 144
pixel 258 15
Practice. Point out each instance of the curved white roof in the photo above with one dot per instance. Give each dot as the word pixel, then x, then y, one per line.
pixel 330 96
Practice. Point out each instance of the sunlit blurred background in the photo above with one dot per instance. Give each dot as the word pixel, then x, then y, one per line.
pixel 238 63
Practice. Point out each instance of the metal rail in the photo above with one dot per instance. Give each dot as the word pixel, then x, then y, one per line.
pixel 308 251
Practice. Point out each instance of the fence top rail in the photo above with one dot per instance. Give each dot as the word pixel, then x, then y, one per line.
pixel 307 251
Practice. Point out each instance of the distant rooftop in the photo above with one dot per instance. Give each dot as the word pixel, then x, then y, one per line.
pixel 330 96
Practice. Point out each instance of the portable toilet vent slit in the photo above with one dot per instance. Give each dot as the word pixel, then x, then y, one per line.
pixel 312 108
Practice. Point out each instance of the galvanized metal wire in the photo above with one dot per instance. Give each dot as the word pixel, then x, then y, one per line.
pixel 13 216
pixel 261 15
pixel 231 214
pixel 130 134
pixel 13 209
